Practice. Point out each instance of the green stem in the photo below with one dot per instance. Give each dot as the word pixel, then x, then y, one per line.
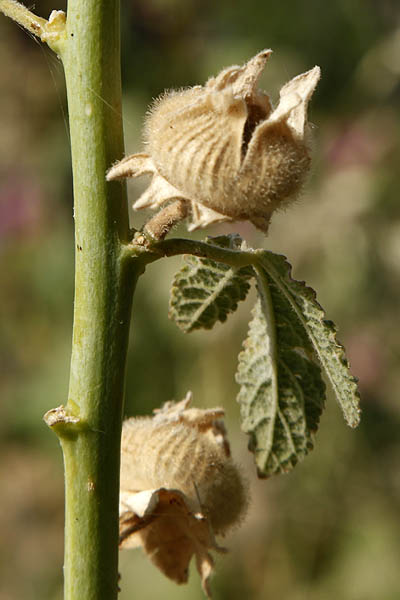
pixel 104 282
pixel 107 267
pixel 152 251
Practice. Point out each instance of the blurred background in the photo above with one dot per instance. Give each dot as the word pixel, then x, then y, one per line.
pixel 331 528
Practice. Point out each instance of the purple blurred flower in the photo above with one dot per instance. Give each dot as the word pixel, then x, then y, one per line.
pixel 20 206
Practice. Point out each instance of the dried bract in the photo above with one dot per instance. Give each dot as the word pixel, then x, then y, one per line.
pixel 179 487
pixel 223 150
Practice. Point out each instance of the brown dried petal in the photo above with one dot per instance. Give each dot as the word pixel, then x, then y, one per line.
pixel 161 522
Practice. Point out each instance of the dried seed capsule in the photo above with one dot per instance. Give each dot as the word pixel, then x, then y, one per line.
pixel 223 150
pixel 185 449
pixel 179 486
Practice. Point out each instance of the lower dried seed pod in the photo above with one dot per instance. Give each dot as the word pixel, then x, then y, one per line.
pixel 179 486
pixel 223 150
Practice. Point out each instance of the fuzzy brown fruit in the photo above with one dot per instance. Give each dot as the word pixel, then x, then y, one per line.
pixel 222 149
pixel 179 487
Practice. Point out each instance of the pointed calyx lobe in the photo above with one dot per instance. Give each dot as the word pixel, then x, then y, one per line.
pixel 223 150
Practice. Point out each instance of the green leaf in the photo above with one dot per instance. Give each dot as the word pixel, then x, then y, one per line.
pixel 321 332
pixel 282 393
pixel 205 291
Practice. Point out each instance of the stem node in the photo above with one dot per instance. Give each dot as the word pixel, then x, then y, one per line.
pixel 53 31
pixel 63 423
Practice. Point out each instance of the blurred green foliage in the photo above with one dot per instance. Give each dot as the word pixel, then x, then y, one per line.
pixel 331 528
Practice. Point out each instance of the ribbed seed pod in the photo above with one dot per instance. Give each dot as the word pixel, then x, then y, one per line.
pixel 223 150
pixel 179 486
pixel 186 450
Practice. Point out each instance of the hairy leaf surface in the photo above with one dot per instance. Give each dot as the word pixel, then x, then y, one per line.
pixel 205 291
pixel 321 332
pixel 282 393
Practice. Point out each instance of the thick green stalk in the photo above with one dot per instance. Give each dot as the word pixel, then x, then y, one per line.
pixel 90 426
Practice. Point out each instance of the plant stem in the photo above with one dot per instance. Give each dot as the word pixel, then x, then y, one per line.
pixel 151 252
pixel 19 13
pixel 90 429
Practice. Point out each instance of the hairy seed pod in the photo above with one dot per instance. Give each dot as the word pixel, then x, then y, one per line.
pixel 179 486
pixel 223 149
pixel 187 450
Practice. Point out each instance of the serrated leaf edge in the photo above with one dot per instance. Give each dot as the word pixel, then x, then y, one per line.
pixel 354 419
pixel 269 318
pixel 211 298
